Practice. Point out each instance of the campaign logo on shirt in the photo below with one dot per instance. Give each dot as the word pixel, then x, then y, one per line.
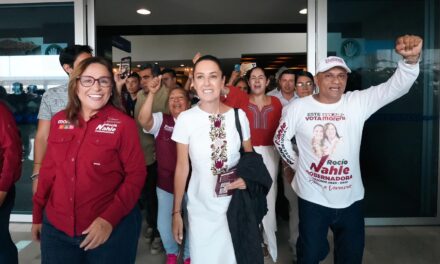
pixel 113 120
pixel 106 128
pixel 168 128
pixel 329 173
pixel 64 124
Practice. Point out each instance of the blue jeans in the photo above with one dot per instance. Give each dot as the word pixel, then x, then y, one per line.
pixel 347 225
pixel 8 250
pixel 121 247
pixel 165 221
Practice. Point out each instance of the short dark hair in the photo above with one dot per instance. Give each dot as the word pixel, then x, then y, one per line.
pixel 288 71
pixel 304 73
pixel 146 66
pixel 134 75
pixel 69 54
pixel 209 58
pixel 168 70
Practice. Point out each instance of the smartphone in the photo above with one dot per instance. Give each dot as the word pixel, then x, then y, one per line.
pixel 156 70
pixel 125 67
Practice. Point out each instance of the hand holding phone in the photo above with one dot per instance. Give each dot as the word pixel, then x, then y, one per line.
pixel 125 67
pixel 156 70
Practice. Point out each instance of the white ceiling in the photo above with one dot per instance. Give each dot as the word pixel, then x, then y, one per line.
pixel 181 12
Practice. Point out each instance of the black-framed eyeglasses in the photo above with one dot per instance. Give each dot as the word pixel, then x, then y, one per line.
pixel 88 81
pixel 306 84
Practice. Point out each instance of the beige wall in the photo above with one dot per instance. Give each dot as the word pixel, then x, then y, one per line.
pixel 183 47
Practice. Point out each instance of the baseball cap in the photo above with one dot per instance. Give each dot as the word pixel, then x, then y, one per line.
pixel 331 62
pixel 280 70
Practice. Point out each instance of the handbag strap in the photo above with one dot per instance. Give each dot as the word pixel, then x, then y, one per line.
pixel 238 127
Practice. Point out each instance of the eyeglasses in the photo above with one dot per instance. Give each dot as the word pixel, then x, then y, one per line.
pixel 303 85
pixel 88 81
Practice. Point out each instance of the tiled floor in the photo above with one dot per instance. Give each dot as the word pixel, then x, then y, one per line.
pixel 388 245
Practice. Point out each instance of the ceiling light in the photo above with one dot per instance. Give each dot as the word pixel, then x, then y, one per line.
pixel 143 11
pixel 303 11
pixel 138 65
pixel 182 65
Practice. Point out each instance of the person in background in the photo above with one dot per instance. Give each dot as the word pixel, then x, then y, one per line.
pixel 326 198
pixel 304 86
pixel 53 101
pixel 128 89
pixel 286 83
pixel 263 113
pixel 237 81
pixel 169 78
pixel 10 171
pixel 207 135
pixel 161 125
pixel 85 208
pixel 149 196
pixel 242 84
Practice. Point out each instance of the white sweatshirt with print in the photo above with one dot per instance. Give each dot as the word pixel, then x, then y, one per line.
pixel 329 137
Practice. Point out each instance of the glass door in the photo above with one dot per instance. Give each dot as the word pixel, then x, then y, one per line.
pixel 399 154
pixel 32 34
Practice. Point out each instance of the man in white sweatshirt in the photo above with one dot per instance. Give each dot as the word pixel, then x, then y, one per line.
pixel 328 130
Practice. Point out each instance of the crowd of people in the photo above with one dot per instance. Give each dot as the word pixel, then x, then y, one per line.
pixel 108 147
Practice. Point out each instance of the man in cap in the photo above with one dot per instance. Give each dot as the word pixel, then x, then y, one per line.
pixel 328 130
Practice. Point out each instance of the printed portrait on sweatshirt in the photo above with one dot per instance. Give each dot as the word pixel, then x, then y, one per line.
pixel 325 139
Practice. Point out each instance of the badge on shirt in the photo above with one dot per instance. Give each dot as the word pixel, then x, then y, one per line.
pixel 168 128
pixel 64 124
pixel 106 128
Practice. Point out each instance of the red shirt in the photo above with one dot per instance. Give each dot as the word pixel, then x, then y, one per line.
pixel 10 150
pixel 94 169
pixel 264 123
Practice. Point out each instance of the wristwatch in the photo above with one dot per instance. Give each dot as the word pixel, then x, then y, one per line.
pixel 34 176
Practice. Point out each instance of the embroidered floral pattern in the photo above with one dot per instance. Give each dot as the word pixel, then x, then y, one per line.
pixel 217 135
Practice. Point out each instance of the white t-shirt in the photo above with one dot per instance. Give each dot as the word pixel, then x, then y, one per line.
pixel 278 94
pixel 157 122
pixel 329 137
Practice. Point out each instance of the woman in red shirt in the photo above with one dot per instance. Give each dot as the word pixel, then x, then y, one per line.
pixel 91 177
pixel 264 113
pixel 10 171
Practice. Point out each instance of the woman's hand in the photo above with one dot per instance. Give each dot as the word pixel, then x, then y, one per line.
pixel 36 232
pixel 237 184
pixel 178 228
pixel 97 234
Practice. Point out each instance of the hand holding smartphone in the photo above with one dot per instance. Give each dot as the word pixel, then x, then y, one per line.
pixel 156 70
pixel 125 67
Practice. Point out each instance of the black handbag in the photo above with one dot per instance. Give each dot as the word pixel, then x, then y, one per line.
pixel 248 207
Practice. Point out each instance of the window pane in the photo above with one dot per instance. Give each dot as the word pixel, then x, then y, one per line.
pixel 31 37
pixel 399 154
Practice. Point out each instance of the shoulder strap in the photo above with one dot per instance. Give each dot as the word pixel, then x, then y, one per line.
pixel 237 124
pixel 238 127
